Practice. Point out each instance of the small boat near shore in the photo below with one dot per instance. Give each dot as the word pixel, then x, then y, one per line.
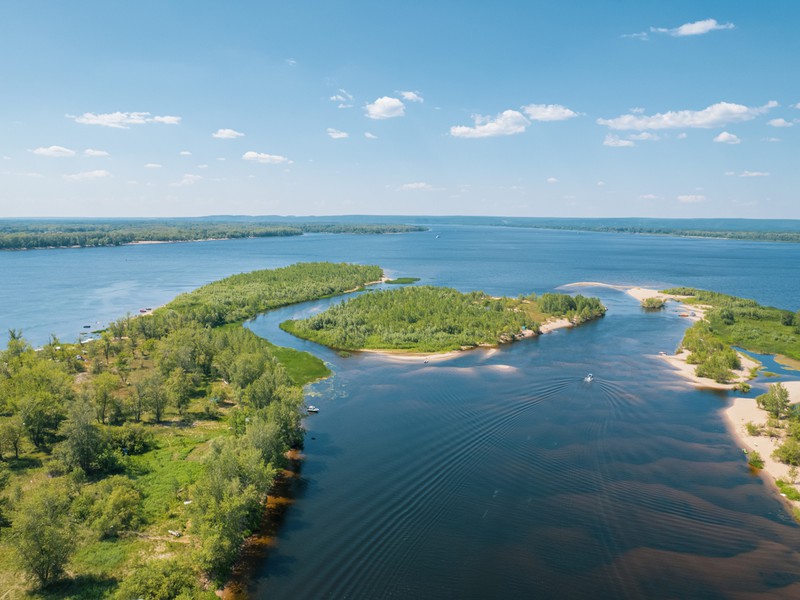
pixel 312 409
pixel 589 378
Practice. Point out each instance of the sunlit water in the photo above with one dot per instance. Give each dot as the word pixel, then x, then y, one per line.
pixel 497 474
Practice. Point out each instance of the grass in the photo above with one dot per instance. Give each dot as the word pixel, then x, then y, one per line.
pixel 302 367
pixel 402 280
pixel 788 489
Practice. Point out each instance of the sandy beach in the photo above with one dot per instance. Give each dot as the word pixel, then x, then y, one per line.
pixel 743 411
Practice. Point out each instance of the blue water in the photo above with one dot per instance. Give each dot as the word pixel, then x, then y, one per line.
pixel 500 473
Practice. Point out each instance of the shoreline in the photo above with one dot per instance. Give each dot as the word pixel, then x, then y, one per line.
pixel 409 356
pixel 745 410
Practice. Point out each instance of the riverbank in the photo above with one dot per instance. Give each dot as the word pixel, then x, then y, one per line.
pixel 745 410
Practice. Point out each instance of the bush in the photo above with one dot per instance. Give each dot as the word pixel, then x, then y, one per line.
pixel 752 428
pixel 159 580
pixel 654 303
pixel 754 460
pixel 788 452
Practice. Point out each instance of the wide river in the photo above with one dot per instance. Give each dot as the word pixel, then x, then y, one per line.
pixel 499 473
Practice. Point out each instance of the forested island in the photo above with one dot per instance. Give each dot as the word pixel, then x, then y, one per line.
pixel 135 466
pixel 437 319
pixel 30 234
pixel 731 321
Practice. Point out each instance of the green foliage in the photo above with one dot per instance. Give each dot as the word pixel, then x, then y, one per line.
pixel 42 533
pixel 433 319
pixel 654 303
pixel 714 359
pixel 753 429
pixel 402 280
pixel 83 440
pixel 775 401
pixel 754 460
pixel 109 507
pixel 788 452
pixel 788 490
pixel 159 579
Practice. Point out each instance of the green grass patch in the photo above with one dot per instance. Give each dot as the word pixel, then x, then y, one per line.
pixel 788 489
pixel 302 367
pixel 402 280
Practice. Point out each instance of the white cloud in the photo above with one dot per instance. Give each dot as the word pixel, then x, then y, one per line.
pixel 771 139
pixel 385 108
pixel 412 96
pixel 729 173
pixel 753 174
pixel 227 134
pixel 548 112
pixel 795 105
pixel 695 28
pixel 727 138
pixel 343 97
pixel 187 179
pixel 93 152
pixel 551 180
pixel 336 134
pixel 601 183
pixel 370 136
pixel 122 120
pixel 88 175
pixel 185 153
pixel 291 62
pixel 508 122
pixel 715 115
pixel 266 159
pixel 644 136
pixel 417 185
pixel 682 136
pixel 202 166
pixel 152 166
pixel 691 198
pixel 641 36
pixel 636 110
pixel 614 142
pixel 648 197
pixel 780 123
pixel 54 152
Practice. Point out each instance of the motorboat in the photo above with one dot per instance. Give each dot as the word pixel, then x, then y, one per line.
pixel 312 409
pixel 589 378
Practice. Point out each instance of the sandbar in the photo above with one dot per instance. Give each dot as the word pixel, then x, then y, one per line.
pixel 745 410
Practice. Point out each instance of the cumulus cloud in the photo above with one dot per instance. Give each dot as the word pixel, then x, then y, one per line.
pixel 695 28
pixel 780 123
pixel 93 152
pixel 548 112
pixel 54 152
pixel 412 96
pixel 343 97
pixel 336 134
pixel 417 185
pixel 385 107
pixel 88 175
pixel 715 115
pixel 508 122
pixel 227 134
pixel 122 120
pixel 265 159
pixel 690 198
pixel 753 174
pixel 370 136
pixel 615 142
pixel 727 138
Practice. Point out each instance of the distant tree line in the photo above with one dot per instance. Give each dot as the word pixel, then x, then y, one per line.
pixel 18 235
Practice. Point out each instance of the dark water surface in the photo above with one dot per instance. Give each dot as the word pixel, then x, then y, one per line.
pixel 497 474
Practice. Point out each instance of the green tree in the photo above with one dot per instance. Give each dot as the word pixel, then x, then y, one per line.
pixel 42 533
pixel 83 440
pixel 775 401
pixel 788 452
pixel 159 579
pixel 11 432
pixel 152 395
pixel 103 387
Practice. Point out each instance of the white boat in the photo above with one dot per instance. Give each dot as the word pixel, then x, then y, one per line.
pixel 312 408
pixel 588 378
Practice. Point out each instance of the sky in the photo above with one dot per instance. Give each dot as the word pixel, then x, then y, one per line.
pixel 518 108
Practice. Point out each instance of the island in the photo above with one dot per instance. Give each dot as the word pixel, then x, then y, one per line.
pixel 426 319
pixel 136 465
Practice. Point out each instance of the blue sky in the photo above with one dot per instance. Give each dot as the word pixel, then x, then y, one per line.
pixel 526 108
